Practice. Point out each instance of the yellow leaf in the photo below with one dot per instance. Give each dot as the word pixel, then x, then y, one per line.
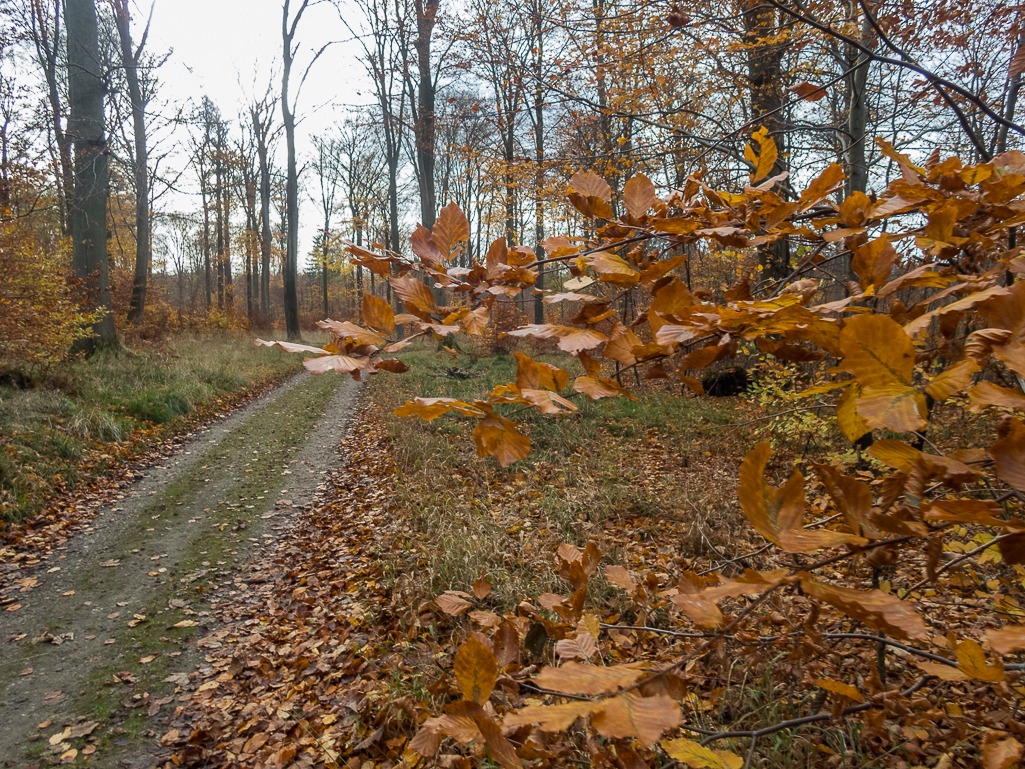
pixel 844 690
pixel 971 660
pixel 695 755
pixel 765 159
pixel 476 670
pixel 498 437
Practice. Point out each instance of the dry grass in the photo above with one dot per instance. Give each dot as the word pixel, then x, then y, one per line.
pixel 659 472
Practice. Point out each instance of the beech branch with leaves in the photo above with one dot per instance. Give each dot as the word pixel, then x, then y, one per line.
pixel 943 229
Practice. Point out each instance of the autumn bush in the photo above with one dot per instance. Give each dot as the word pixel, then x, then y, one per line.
pixel 882 604
pixel 39 316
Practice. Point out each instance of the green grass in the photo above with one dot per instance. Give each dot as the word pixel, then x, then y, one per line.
pixel 56 435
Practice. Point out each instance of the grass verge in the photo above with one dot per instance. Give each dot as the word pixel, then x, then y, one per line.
pixel 56 436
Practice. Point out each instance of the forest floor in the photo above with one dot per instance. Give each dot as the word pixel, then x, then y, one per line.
pixel 95 633
pixel 272 594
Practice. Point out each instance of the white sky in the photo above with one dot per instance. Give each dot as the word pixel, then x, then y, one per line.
pixel 227 49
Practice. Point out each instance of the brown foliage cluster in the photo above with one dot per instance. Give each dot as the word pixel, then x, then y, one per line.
pixel 887 353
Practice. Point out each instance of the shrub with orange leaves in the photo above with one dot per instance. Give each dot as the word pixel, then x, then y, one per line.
pixel 39 317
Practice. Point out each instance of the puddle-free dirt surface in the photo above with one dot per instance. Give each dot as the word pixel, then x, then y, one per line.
pixel 104 632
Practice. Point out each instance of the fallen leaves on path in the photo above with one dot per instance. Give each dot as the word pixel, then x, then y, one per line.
pixel 293 675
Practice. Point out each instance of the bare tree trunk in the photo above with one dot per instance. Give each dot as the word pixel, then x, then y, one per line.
pixel 130 57
pixel 261 128
pixel 89 204
pixel 764 66
pixel 539 155
pixel 289 273
pixel 423 128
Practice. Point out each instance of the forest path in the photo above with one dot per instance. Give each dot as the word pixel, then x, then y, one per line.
pixel 98 644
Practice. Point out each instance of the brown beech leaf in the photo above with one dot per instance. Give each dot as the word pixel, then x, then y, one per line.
pixel 416 297
pixel 590 195
pixel 620 345
pixel 481 588
pixel 533 375
pixel 875 608
pixel 1007 639
pixel 291 347
pixel 986 394
pixel 825 184
pixel 612 269
pixel 852 497
pixel 496 436
pixel 999 751
pixel 576 678
pixel 347 330
pixel 571 340
pixel 551 718
pixel 507 644
pixel 595 388
pixel 645 719
pixel 452 604
pixel 806 91
pixel 874 261
pixel 476 670
pixel 778 514
pixel 952 380
pixel 423 245
pixel 499 748
pixel 638 195
pixel 378 314
pixel 343 364
pixel 700 609
pixel 620 577
pixel 450 229
pixel 1009 454
pixel 432 408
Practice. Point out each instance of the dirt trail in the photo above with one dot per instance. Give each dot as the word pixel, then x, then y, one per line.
pixel 93 653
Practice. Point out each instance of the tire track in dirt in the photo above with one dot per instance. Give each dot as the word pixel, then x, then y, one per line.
pixel 105 622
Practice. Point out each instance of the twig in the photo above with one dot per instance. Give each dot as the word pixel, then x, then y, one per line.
pixel 956 561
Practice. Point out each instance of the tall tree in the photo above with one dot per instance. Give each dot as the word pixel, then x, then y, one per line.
pixel 88 209
pixel 262 114
pixel 130 60
pixel 289 25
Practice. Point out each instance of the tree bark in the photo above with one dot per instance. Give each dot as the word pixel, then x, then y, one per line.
pixel 88 209
pixel 130 57
pixel 765 73
pixel 289 273
pixel 261 128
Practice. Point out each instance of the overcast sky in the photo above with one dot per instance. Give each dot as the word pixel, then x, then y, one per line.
pixel 227 49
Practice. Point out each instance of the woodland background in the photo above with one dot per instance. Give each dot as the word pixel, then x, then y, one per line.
pixel 829 194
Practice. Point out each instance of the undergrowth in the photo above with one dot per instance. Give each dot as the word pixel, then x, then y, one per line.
pixel 58 432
